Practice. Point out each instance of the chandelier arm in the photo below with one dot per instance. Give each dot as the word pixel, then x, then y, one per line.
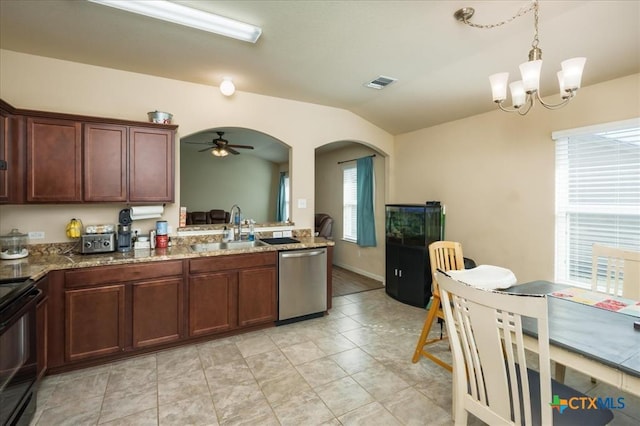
pixel 519 110
pixel 558 105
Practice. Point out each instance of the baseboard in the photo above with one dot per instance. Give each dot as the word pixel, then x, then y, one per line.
pixel 361 272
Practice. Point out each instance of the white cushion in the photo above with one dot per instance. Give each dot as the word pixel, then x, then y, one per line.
pixel 488 277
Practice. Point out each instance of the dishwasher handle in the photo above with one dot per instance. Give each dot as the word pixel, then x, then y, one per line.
pixel 302 254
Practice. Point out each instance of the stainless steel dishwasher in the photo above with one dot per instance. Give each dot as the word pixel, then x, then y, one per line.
pixel 302 276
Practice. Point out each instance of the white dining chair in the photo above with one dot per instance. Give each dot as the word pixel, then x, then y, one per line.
pixel 616 271
pixel 486 337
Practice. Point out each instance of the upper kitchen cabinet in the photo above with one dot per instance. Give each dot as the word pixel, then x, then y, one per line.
pixel 124 163
pixel 54 160
pixel 105 162
pixel 151 165
pixel 64 158
pixel 11 155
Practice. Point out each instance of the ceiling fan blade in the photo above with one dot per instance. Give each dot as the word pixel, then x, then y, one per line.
pixel 231 150
pixel 199 143
pixel 206 149
pixel 241 146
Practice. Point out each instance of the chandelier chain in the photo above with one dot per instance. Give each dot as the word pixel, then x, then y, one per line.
pixel 535 41
pixel 523 10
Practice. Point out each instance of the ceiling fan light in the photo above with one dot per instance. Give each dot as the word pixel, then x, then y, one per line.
pixel 530 72
pixel 499 86
pixel 518 95
pixel 572 72
pixel 218 152
pixel 227 87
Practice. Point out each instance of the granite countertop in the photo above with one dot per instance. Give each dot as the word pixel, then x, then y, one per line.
pixel 37 265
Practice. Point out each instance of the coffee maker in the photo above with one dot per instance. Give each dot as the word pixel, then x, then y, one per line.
pixel 124 231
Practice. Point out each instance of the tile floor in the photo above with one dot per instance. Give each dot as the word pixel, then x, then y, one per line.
pixel 352 367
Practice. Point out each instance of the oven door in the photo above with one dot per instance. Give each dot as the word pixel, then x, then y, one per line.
pixel 18 359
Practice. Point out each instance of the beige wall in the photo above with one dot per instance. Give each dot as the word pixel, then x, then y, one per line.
pixel 368 261
pixel 495 174
pixel 34 82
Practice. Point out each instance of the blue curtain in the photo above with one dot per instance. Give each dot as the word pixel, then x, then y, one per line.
pixel 280 203
pixel 364 210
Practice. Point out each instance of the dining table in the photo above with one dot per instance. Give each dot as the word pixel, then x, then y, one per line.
pixel 599 342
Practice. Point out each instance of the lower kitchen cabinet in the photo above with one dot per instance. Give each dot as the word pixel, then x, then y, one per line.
pixel 112 309
pixel 157 312
pixel 257 296
pixel 230 292
pixel 211 301
pixel 95 322
pixel 103 313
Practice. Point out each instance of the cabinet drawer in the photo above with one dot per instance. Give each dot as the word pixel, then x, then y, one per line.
pixel 222 263
pixel 114 274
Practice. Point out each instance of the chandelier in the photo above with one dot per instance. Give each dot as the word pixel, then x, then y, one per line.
pixel 525 92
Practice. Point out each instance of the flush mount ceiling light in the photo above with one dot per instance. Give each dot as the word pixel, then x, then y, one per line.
pixel 525 92
pixel 227 87
pixel 219 152
pixel 182 15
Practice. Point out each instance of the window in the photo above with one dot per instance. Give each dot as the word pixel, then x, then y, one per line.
pixel 286 197
pixel 597 195
pixel 350 203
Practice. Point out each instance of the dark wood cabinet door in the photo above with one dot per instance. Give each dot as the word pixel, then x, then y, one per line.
pixel 94 322
pixel 151 165
pixel 42 333
pixel 54 160
pixel 105 162
pixel 157 312
pixel 12 158
pixel 4 157
pixel 212 303
pixel 257 296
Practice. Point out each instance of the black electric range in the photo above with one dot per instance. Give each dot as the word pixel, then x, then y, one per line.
pixel 12 289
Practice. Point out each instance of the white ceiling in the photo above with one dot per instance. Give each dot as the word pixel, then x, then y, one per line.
pixel 323 51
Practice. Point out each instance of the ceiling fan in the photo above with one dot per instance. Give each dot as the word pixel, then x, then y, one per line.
pixel 221 146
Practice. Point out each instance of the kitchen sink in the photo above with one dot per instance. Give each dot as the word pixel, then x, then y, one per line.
pixel 231 245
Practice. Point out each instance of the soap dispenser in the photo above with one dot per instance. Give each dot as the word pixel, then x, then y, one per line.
pixel 252 234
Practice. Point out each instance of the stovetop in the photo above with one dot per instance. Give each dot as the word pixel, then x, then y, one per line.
pixel 282 240
pixel 13 288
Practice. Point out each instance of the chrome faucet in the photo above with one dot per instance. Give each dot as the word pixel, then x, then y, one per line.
pixel 237 236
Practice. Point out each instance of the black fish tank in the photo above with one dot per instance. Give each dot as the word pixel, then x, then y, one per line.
pixel 410 228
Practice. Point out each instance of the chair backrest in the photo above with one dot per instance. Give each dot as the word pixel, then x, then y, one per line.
pixel 485 331
pixel 218 216
pixel 621 271
pixel 444 255
pixel 323 225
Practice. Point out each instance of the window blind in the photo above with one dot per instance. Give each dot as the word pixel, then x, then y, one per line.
pixel 349 203
pixel 597 195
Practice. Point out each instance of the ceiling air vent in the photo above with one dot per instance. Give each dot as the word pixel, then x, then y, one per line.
pixel 380 82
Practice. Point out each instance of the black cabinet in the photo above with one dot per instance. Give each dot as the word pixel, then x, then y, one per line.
pixel 408 277
pixel 410 228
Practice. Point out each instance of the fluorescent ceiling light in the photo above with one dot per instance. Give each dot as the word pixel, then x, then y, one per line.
pixel 179 14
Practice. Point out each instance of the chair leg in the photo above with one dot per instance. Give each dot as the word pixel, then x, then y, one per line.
pixel 423 340
pixel 431 316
